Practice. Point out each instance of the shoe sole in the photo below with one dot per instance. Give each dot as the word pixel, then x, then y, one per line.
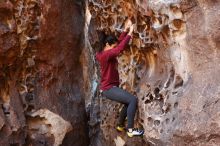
pixel 131 135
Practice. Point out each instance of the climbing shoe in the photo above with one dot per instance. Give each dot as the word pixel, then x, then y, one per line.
pixel 135 132
pixel 120 128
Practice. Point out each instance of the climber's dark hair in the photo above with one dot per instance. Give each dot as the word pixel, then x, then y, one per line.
pixel 110 39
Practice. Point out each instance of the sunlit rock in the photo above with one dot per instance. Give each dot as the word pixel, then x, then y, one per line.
pixel 45 122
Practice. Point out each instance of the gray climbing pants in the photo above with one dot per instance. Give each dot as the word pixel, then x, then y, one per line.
pixel 129 101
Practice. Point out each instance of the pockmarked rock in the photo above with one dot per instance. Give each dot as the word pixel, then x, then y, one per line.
pixel 40 47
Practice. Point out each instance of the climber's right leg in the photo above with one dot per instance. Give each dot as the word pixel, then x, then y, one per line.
pixel 122 96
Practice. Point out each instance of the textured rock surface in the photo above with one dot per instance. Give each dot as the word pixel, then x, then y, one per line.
pixel 47 122
pixel 40 73
pixel 171 65
pixel 49 76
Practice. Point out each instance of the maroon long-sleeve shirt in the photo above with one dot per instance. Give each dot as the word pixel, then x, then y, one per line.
pixel 109 64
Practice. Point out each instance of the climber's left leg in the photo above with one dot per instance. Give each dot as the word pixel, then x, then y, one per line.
pixel 122 117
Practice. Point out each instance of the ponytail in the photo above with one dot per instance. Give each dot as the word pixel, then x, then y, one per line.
pixel 102 37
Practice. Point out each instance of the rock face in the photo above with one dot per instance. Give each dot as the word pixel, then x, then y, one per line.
pixel 171 65
pixel 49 76
pixel 42 102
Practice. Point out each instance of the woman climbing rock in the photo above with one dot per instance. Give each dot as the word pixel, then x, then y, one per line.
pixel 110 78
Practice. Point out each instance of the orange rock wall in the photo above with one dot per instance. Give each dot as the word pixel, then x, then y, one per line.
pixel 49 76
pixel 40 73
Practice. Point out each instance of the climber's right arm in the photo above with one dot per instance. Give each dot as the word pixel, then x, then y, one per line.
pixel 128 24
pixel 117 50
pixel 122 36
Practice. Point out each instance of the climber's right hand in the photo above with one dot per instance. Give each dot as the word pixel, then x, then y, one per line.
pixel 128 24
pixel 131 29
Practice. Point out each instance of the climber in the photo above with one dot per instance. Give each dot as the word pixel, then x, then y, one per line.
pixel 109 87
